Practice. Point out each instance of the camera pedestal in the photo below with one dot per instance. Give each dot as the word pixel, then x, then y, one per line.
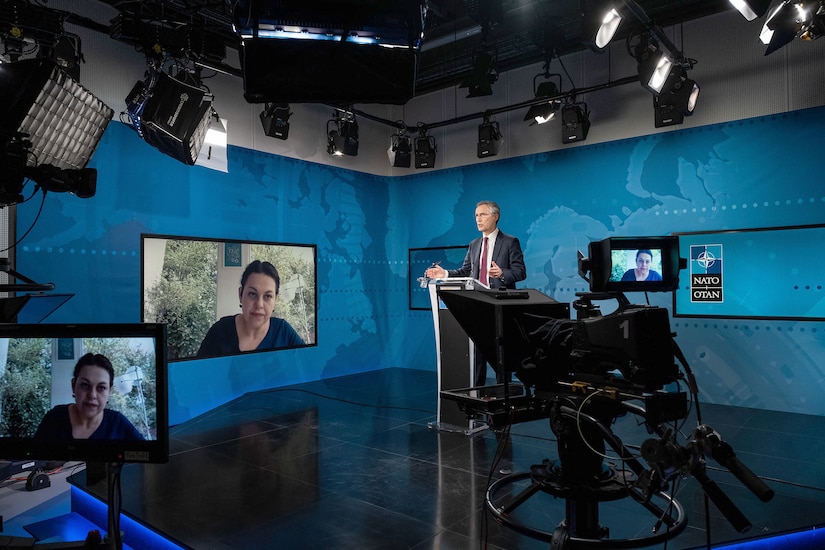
pixel 581 477
pixel 580 528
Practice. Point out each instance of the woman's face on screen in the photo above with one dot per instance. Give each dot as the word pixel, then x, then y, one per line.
pixel 258 299
pixel 91 390
pixel 643 262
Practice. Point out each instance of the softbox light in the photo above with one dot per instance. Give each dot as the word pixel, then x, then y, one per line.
pixel 63 120
pixel 170 115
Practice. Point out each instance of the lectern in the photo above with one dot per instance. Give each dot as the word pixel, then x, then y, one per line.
pixel 455 355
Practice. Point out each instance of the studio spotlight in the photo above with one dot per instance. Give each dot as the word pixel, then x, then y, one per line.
pixel 489 139
pixel 483 76
pixel 62 121
pixel 342 135
pixel 685 94
pixel 600 19
pixel 575 122
pixel 170 115
pixel 677 100
pixel 425 150
pixel 653 64
pixel 400 151
pixel 751 9
pixel 790 19
pixel 608 27
pixel 275 120
pixel 546 110
pixel 666 112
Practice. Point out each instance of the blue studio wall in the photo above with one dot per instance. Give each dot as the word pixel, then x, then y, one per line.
pixel 741 174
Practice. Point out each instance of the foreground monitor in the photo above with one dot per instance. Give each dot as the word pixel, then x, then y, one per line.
pixel 634 264
pixel 37 364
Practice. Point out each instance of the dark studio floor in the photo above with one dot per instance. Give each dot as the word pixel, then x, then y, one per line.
pixel 350 463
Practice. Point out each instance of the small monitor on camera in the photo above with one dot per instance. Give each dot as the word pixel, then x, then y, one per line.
pixel 633 264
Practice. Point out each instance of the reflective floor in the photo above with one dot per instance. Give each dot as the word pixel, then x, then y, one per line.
pixel 350 463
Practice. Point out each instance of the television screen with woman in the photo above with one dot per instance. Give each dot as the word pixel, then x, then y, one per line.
pixel 632 264
pixel 229 297
pixel 84 392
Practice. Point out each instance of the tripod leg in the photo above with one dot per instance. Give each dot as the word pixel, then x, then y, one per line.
pixel 520 498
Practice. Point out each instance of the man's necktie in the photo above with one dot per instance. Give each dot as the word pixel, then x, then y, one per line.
pixel 482 270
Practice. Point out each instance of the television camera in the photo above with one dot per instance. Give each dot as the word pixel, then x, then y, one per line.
pixel 583 374
pixel 16 155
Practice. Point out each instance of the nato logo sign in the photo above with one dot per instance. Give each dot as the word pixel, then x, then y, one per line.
pixel 706 273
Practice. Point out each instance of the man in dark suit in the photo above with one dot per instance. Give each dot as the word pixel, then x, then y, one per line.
pixel 495 259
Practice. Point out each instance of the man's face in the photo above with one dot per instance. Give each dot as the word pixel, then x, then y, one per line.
pixel 485 220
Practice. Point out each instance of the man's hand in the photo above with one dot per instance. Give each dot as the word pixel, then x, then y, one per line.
pixel 495 271
pixel 436 272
